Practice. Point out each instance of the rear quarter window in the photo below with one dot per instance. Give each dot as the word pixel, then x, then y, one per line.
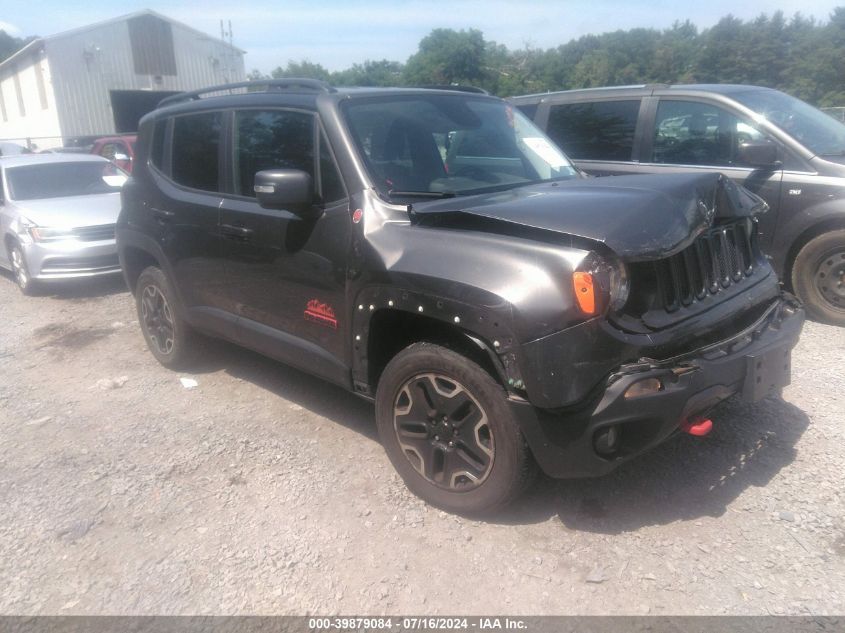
pixel 595 130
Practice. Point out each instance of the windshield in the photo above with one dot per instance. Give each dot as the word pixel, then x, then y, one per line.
pixel 57 180
pixel 433 145
pixel 821 134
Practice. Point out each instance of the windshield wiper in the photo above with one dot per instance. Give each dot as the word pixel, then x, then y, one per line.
pixel 422 194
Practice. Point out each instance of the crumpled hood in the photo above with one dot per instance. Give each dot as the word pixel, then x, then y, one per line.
pixel 72 211
pixel 638 217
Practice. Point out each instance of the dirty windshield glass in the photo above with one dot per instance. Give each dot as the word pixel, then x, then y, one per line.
pixel 445 144
pixel 57 180
pixel 820 133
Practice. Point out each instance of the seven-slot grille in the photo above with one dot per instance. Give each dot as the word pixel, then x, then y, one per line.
pixel 721 257
pixel 95 233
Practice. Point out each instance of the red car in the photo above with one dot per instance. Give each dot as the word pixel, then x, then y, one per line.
pixel 118 149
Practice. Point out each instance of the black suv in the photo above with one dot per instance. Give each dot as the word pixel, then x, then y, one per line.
pixel 784 150
pixel 433 251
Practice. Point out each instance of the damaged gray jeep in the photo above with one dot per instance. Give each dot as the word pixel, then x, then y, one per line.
pixel 434 252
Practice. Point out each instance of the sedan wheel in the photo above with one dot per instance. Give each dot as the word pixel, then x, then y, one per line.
pixel 21 272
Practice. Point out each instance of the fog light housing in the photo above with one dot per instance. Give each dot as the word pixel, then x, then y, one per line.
pixel 644 387
pixel 606 440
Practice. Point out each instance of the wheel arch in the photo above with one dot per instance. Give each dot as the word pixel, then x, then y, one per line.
pixel 386 321
pixel 391 331
pixel 9 239
pixel 133 261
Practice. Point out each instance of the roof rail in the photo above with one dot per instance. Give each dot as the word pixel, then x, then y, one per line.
pixel 268 85
pixel 455 87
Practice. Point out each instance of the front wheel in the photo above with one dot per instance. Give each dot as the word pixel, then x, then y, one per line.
pixel 168 336
pixel 818 277
pixel 449 432
pixel 21 271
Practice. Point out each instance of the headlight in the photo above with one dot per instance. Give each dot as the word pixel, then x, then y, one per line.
pixel 600 285
pixel 44 234
pixel 620 286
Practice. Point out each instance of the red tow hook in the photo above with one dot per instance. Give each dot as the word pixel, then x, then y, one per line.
pixel 699 428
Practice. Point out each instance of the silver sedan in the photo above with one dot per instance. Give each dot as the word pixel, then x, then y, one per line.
pixel 57 217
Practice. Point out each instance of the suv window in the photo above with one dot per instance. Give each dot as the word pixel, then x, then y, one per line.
pixel 694 133
pixel 596 130
pixel 196 143
pixel 271 139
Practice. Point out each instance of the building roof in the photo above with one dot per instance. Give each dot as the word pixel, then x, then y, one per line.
pixel 34 44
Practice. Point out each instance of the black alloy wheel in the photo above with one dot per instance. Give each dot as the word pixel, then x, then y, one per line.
pixel 168 336
pixel 449 430
pixel 157 319
pixel 443 431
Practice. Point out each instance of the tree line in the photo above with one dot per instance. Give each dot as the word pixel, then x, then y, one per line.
pixel 800 55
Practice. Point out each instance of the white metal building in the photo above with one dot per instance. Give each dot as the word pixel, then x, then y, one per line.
pixel 100 79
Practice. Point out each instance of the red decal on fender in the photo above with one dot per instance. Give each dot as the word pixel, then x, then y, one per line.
pixel 321 313
pixel 357 215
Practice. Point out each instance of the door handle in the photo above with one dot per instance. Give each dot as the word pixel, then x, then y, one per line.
pixel 235 231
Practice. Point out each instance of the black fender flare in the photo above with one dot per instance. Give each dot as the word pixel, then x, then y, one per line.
pixel 127 238
pixel 488 328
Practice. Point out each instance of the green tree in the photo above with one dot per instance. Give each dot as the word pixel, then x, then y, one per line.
pixel 303 69
pixel 370 73
pixel 447 56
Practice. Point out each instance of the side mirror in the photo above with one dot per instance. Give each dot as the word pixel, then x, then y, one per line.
pixel 289 189
pixel 759 153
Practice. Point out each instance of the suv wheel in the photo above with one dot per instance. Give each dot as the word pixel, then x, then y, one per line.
pixel 448 430
pixel 21 271
pixel 167 334
pixel 818 277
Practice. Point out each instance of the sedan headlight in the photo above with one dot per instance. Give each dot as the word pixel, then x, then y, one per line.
pixel 46 234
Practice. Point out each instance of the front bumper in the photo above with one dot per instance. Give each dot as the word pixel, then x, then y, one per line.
pixel 753 363
pixel 70 259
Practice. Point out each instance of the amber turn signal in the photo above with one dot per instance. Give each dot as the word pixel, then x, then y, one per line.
pixel 585 292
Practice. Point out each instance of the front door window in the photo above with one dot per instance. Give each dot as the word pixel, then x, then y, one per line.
pixel 693 133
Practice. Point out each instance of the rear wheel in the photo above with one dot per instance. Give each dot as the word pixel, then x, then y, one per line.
pixel 818 277
pixel 168 336
pixel 449 432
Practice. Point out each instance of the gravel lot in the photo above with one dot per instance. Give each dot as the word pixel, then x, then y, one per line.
pixel 264 490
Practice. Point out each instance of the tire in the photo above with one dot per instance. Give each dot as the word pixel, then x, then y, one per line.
pixel 168 336
pixel 818 277
pixel 449 432
pixel 28 286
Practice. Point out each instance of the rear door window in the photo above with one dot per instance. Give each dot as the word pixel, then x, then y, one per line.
pixel 595 130
pixel 195 157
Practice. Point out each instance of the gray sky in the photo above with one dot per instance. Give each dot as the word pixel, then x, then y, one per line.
pixel 338 33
